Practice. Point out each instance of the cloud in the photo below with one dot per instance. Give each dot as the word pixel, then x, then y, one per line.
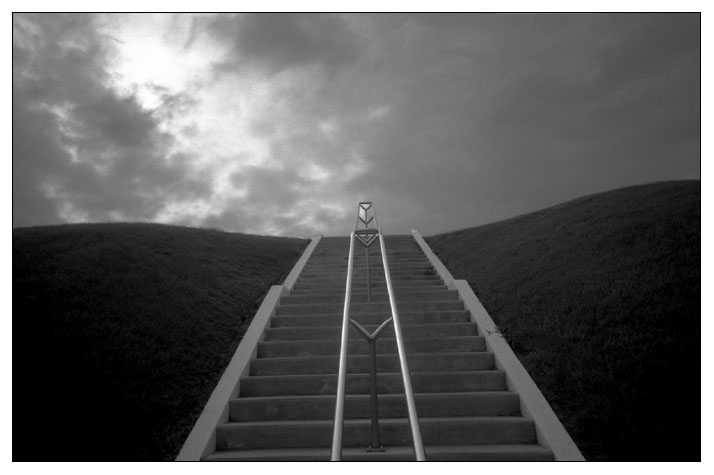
pixel 277 42
pixel 507 114
pixel 82 151
pixel 280 124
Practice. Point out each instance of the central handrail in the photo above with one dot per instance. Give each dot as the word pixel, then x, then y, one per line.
pixel 336 451
pixel 408 391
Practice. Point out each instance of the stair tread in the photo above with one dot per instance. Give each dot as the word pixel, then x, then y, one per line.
pixel 382 373
pixel 356 396
pixel 380 303
pixel 382 421
pixel 404 452
pixel 312 342
pixel 449 355
pixel 373 326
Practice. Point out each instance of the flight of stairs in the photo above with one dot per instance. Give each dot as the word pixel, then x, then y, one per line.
pixel 286 406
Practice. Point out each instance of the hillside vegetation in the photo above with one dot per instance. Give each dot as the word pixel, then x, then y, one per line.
pixel 600 299
pixel 121 331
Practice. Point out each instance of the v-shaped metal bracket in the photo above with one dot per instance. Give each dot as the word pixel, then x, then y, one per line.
pixel 375 445
pixel 366 236
pixel 371 336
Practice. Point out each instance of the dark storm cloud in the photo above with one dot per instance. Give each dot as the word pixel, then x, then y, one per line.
pixel 285 201
pixel 119 122
pixel 78 146
pixel 280 41
pixel 279 188
pixel 498 115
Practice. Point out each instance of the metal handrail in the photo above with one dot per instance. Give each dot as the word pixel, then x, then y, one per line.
pixel 408 391
pixel 336 451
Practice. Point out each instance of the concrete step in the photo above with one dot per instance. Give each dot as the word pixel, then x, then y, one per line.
pixel 336 308
pixel 374 276
pixel 374 258
pixel 296 348
pixel 402 295
pixel 393 431
pixel 374 261
pixel 407 318
pixel 361 274
pixel 426 362
pixel 394 261
pixel 340 284
pixel 362 283
pixel 334 332
pixel 358 383
pixel 374 271
pixel 357 406
pixel 449 453
pixel 363 290
pixel 374 251
pixel 401 264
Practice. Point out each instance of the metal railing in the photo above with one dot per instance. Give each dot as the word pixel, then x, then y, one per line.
pixel 336 450
pixel 406 378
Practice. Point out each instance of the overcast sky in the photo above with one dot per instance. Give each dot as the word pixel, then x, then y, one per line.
pixel 281 124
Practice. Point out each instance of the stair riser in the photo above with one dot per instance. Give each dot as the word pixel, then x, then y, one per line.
pixel 362 280
pixel 337 258
pixel 334 255
pixel 335 332
pixel 361 364
pixel 390 405
pixel 360 275
pixel 278 349
pixel 323 309
pixel 287 321
pixel 335 287
pixel 392 432
pixel 435 296
pixel 525 456
pixel 326 384
pixel 382 289
pixel 517 453
pixel 374 271
pixel 421 262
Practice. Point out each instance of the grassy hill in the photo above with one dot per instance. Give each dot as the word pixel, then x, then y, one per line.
pixel 600 299
pixel 121 331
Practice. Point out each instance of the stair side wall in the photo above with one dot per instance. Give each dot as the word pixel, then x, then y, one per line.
pixel 202 439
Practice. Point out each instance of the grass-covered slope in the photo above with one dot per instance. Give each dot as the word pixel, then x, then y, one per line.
pixel 121 331
pixel 600 299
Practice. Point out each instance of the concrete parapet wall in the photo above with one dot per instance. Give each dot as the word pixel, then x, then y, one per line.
pixel 300 264
pixel 202 439
pixel 550 432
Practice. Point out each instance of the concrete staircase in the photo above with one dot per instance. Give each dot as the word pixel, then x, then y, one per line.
pixel 286 403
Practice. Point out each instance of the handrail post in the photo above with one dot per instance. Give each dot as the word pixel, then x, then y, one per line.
pixel 336 452
pixel 375 445
pixel 369 286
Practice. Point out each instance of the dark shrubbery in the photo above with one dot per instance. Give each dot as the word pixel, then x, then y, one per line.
pixel 600 299
pixel 121 331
